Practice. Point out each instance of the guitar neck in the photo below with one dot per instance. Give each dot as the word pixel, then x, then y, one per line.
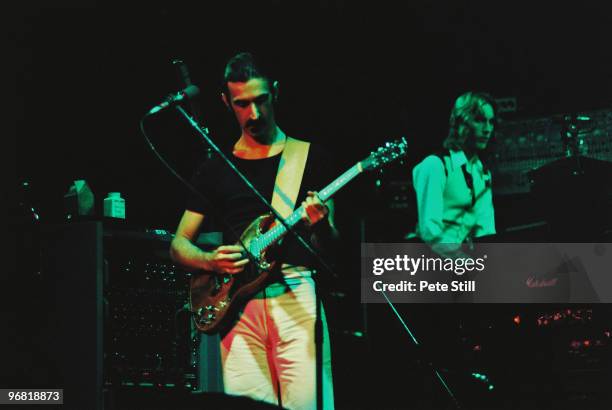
pixel 279 230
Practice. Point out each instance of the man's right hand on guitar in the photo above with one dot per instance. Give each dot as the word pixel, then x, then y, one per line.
pixel 228 259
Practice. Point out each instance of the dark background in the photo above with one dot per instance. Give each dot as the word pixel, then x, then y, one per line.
pixel 352 76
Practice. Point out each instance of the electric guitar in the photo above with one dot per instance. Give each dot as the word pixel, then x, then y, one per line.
pixel 215 297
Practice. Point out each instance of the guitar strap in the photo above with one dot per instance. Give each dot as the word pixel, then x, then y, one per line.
pixel 289 176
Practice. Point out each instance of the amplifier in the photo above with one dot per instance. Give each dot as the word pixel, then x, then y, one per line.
pixel 110 315
pixel 150 339
pixel 147 323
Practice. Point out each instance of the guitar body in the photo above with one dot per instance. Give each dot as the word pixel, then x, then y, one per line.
pixel 216 298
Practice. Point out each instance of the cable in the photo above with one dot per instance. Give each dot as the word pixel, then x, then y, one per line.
pixel 254 259
pixel 209 204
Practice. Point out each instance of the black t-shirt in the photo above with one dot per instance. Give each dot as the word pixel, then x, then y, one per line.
pixel 238 206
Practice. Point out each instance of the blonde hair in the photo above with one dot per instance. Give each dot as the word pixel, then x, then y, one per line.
pixel 465 110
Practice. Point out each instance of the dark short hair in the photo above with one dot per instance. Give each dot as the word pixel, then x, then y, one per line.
pixel 242 67
pixel 465 110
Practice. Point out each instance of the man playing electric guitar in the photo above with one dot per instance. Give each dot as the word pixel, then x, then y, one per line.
pixel 268 352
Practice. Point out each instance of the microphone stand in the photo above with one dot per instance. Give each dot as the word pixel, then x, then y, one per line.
pixel 185 81
pixel 428 362
pixel 318 320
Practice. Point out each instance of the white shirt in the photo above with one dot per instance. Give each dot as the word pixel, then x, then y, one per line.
pixel 446 211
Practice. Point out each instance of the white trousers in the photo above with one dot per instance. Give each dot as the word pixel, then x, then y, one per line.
pixel 269 355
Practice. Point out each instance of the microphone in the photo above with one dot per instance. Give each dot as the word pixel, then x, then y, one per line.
pixel 186 93
pixel 185 81
pixel 181 70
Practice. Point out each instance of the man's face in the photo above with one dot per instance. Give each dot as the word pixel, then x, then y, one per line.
pixel 482 126
pixel 252 106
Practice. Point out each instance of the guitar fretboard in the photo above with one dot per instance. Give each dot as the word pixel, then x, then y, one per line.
pixel 279 230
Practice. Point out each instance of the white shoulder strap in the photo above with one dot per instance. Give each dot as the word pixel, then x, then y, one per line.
pixel 289 176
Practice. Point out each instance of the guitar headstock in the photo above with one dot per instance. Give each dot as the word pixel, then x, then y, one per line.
pixel 386 154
